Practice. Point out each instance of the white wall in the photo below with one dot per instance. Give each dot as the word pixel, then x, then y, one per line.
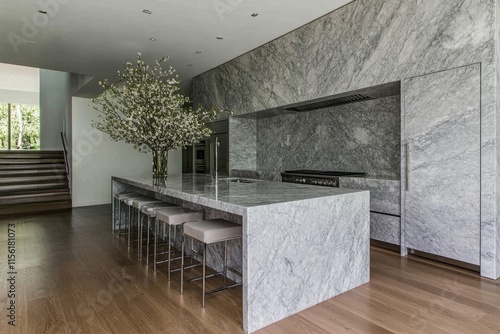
pixel 55 108
pixel 15 96
pixel 19 78
pixel 19 84
pixel 95 158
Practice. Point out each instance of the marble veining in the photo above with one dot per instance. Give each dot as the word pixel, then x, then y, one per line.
pixel 362 136
pixel 295 252
pixel 242 143
pixel 443 134
pixel 385 194
pixel 495 272
pixel 301 244
pixel 385 228
pixel 257 174
pixel 367 43
pixel 224 195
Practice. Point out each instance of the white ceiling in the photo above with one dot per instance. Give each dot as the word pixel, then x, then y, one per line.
pixel 95 37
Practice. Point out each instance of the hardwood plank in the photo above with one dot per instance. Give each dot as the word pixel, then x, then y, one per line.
pixel 74 276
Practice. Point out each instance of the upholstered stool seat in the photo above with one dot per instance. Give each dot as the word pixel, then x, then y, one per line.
pixel 215 230
pixel 150 211
pixel 121 198
pixel 209 232
pixel 172 217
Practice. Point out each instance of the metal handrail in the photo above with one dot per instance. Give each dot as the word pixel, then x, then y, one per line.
pixel 66 160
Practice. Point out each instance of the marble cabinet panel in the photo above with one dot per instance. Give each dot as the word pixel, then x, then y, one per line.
pixel 385 228
pixel 385 194
pixel 442 130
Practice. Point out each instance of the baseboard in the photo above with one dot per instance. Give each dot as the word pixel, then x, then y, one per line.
pixel 385 245
pixel 90 203
pixel 443 259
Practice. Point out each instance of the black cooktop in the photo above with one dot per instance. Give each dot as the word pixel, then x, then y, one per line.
pixel 324 172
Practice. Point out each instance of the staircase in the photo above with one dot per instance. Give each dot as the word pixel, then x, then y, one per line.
pixel 33 182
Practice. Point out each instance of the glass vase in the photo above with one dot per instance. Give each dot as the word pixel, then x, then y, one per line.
pixel 160 162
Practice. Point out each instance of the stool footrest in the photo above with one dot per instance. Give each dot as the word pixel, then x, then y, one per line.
pixel 201 277
pixel 225 287
pixel 234 271
pixel 165 261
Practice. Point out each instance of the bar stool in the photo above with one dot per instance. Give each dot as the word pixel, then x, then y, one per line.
pixel 150 211
pixel 120 198
pixel 209 232
pixel 173 217
pixel 137 203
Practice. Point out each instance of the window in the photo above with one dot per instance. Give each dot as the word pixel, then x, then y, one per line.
pixel 19 126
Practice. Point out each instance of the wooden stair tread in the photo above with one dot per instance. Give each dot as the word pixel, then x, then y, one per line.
pixel 31 172
pixel 28 187
pixel 24 161
pixel 32 156
pixel 30 152
pixel 35 192
pixel 33 182
pixel 56 166
pixel 34 208
pixel 22 180
pixel 38 198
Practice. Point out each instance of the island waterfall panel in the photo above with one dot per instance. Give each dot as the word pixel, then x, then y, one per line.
pixel 442 132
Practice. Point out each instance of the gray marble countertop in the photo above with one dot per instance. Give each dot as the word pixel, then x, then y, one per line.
pixel 230 196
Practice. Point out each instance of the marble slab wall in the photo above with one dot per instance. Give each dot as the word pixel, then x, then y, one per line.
pixel 367 43
pixel 256 174
pixel 242 143
pixel 442 130
pixel 363 44
pixel 362 137
pixel 496 271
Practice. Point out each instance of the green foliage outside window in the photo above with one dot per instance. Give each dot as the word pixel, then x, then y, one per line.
pixel 25 127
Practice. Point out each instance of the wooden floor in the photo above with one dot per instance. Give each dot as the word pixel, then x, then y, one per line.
pixel 74 276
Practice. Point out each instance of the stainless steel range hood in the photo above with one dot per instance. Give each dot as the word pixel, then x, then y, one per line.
pixel 365 94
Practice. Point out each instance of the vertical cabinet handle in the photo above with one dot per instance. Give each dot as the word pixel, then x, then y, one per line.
pixel 407 176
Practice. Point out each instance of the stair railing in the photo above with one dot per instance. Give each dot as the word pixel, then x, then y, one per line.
pixel 66 158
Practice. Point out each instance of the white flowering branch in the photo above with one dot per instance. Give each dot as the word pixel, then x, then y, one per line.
pixel 147 109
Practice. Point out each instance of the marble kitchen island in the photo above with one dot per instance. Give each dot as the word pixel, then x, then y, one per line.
pixel 301 244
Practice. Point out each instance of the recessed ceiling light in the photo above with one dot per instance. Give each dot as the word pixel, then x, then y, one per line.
pixel 147 11
pixel 255 14
pixel 198 52
pixel 218 37
pixel 152 39
pixel 42 12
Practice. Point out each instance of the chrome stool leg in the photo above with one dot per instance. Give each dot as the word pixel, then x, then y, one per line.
pixel 182 263
pixel 204 271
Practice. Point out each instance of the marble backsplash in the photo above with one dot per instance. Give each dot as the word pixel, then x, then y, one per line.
pixel 362 136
